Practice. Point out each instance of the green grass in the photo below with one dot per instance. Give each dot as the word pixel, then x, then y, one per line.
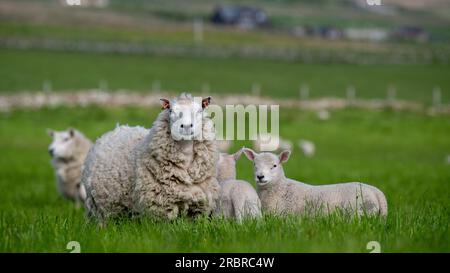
pixel 27 70
pixel 403 154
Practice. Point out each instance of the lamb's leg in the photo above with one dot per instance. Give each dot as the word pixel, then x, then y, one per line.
pixel 238 204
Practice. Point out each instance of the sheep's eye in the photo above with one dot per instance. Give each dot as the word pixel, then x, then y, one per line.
pixel 275 166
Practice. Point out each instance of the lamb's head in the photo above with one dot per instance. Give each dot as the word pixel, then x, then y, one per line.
pixel 186 115
pixel 267 166
pixel 226 166
pixel 64 144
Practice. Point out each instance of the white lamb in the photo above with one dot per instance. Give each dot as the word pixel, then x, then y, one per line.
pixel 166 172
pixel 282 195
pixel 237 198
pixel 68 151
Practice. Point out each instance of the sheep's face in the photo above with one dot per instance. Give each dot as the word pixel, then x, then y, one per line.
pixel 226 166
pixel 63 145
pixel 186 116
pixel 267 166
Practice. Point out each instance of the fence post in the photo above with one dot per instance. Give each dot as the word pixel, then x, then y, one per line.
pixel 304 92
pixel 205 89
pixel 437 97
pixel 47 86
pixel 391 94
pixel 198 31
pixel 103 85
pixel 256 89
pixel 156 86
pixel 351 94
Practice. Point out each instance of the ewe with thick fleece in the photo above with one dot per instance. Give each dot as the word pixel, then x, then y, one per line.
pixel 237 198
pixel 166 171
pixel 68 151
pixel 279 194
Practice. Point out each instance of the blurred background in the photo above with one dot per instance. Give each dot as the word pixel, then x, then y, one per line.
pixel 276 46
pixel 364 93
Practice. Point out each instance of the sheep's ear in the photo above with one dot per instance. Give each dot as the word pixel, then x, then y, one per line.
pixel 50 132
pixel 284 156
pixel 249 153
pixel 165 104
pixel 205 102
pixel 237 155
pixel 71 132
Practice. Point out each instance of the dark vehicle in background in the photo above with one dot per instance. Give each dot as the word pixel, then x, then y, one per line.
pixel 241 16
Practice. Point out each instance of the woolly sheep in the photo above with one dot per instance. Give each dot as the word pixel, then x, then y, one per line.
pixel 166 172
pixel 307 147
pixel 269 142
pixel 237 198
pixel 323 114
pixel 68 151
pixel 279 194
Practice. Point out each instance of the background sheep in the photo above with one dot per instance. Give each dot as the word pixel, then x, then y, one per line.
pixel 307 147
pixel 279 194
pixel 166 171
pixel 323 114
pixel 268 142
pixel 237 198
pixel 68 151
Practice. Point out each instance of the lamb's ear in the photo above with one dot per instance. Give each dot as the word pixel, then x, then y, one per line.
pixel 249 153
pixel 165 104
pixel 50 132
pixel 237 155
pixel 71 132
pixel 284 156
pixel 205 102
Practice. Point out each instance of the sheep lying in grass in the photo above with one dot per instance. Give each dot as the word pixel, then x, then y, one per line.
pixel 307 147
pixel 237 198
pixel 279 194
pixel 167 171
pixel 68 151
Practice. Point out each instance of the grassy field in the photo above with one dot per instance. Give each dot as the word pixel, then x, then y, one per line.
pixel 27 70
pixel 401 153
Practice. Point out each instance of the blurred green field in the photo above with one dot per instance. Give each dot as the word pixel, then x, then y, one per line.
pixel 401 153
pixel 27 70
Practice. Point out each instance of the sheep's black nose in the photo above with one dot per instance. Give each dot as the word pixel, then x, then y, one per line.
pixel 50 151
pixel 186 125
pixel 260 177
